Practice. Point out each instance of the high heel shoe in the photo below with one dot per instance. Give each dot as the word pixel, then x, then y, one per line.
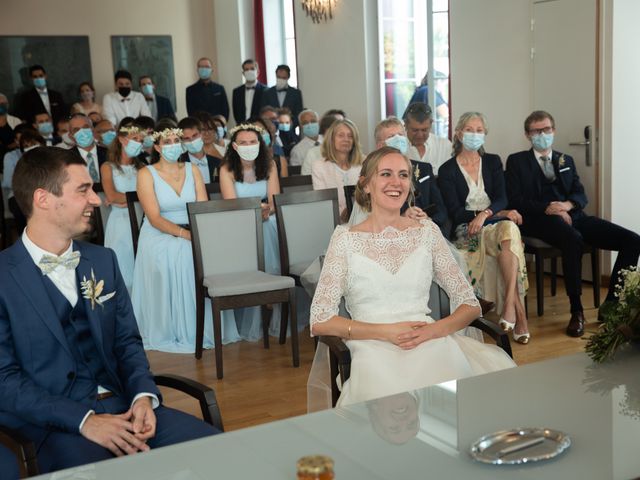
pixel 506 326
pixel 522 338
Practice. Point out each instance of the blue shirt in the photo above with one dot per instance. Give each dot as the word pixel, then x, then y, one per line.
pixel 10 160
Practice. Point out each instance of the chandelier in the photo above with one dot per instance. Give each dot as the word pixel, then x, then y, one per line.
pixel 319 10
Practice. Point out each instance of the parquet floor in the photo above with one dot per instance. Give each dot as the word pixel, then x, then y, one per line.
pixel 261 385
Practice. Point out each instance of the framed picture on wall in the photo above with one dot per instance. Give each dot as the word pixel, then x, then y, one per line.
pixel 150 55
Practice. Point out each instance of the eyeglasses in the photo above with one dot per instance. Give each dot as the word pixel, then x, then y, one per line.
pixel 539 131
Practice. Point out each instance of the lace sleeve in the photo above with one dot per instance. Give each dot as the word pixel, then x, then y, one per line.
pixel 446 271
pixel 332 282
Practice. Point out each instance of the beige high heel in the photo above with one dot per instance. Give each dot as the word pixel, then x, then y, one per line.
pixel 506 326
pixel 522 338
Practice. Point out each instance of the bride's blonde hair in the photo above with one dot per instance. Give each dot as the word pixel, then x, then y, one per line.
pixel 368 171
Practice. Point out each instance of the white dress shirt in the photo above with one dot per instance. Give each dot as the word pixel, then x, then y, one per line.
pixel 438 151
pixel 153 106
pixel 249 93
pixel 281 96
pixel 313 155
pixel 299 152
pixel 116 107
pixel 44 96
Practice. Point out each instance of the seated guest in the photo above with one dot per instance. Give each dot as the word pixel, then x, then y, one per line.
pixel 146 125
pixel 314 154
pixel 543 184
pixel 119 175
pixel 341 163
pixel 269 115
pixel 42 122
pixel 87 103
pixel 94 155
pixel 62 131
pixel 222 143
pixel 164 261
pixel 268 135
pixel 194 144
pixel 425 146
pixel 214 144
pixel 95 117
pixel 105 133
pixel 310 130
pixel 7 124
pixel 5 116
pixel 286 137
pixel 247 98
pixel 384 268
pixel 40 98
pixel 159 106
pixel 283 95
pixel 75 379
pixel 472 185
pixel 124 102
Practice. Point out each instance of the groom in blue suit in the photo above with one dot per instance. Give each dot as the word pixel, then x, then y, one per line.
pixel 74 377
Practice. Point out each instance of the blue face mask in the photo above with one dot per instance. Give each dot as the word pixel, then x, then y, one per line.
pixel 194 146
pixel 40 82
pixel 107 137
pixel 204 72
pixel 472 141
pixel 147 142
pixel 172 152
pixel 311 129
pixel 4 109
pixel 147 89
pixel 84 137
pixel 542 141
pixel 45 128
pixel 221 132
pixel 133 148
pixel 284 127
pixel 399 142
pixel 267 138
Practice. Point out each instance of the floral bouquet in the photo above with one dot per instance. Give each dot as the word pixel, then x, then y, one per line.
pixel 621 319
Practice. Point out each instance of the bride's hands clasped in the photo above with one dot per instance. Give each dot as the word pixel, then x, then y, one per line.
pixel 408 335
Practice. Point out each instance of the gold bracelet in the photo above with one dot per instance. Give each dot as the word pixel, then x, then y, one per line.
pixel 349 329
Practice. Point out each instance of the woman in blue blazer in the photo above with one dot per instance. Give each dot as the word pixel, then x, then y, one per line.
pixel 473 188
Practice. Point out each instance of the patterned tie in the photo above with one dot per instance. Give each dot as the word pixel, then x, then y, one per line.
pixel 95 176
pixel 48 263
pixel 547 168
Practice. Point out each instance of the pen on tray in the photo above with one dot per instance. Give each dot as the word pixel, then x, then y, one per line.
pixel 519 446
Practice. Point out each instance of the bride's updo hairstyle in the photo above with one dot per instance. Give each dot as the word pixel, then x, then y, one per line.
pixel 369 170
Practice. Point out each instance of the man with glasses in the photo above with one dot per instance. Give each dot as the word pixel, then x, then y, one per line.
pixel 543 185
pixel 425 147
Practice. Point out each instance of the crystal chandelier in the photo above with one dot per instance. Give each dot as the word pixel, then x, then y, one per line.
pixel 319 10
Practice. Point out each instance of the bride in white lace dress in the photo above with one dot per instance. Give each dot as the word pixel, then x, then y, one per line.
pixel 384 267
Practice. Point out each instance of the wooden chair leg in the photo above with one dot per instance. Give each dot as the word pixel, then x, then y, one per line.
pixel 526 305
pixel 199 324
pixel 295 351
pixel 217 337
pixel 595 273
pixel 266 320
pixel 284 319
pixel 540 283
pixel 554 275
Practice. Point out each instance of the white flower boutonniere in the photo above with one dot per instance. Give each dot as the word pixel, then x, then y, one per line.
pixel 91 290
pixel 561 161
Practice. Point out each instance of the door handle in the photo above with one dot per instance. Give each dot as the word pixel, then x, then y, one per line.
pixel 586 143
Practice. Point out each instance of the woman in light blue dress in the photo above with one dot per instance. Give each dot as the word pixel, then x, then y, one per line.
pixel 163 296
pixel 119 175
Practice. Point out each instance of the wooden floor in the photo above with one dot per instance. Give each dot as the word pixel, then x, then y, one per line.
pixel 261 385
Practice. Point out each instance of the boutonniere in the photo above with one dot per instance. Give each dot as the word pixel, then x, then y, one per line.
pixel 416 172
pixel 91 290
pixel 561 161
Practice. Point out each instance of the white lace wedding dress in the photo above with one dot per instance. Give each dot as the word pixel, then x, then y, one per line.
pixel 385 277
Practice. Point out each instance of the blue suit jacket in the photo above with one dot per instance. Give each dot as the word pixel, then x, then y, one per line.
pixel 165 109
pixel 292 101
pixel 524 182
pixel 37 369
pixel 428 193
pixel 455 190
pixel 239 108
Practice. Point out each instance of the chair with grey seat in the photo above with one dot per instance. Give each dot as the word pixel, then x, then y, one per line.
pixel 213 190
pixel 136 215
pixel 306 221
pixel 297 183
pixel 230 269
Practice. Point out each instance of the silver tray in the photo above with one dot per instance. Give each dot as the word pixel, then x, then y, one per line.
pixel 521 445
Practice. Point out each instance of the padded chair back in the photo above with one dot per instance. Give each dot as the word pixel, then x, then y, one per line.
pixel 297 183
pixel 349 196
pixel 306 221
pixel 136 214
pixel 294 169
pixel 226 236
pixel 213 190
pixel 101 213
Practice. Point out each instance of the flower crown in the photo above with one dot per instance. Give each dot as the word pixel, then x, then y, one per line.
pixel 166 133
pixel 246 126
pixel 132 130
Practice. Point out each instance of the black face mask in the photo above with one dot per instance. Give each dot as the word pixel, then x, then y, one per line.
pixel 124 91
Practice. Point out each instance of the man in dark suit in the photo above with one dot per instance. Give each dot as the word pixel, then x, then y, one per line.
pixel 283 95
pixel 94 155
pixel 247 98
pixel 193 142
pixel 159 106
pixel 40 99
pixel 543 185
pixel 206 95
pixel 75 378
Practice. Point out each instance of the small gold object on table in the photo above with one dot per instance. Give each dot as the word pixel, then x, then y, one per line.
pixel 315 467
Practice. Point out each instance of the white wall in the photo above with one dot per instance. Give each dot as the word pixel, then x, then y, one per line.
pixel 190 24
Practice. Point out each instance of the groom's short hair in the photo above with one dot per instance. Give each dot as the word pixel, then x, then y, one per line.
pixel 45 168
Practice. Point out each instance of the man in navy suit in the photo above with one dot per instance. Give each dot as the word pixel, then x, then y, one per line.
pixel 40 98
pixel 194 144
pixel 206 95
pixel 74 377
pixel 247 98
pixel 159 106
pixel 283 95
pixel 543 185
pixel 81 131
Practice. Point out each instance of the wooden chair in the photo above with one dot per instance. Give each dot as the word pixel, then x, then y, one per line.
pixel 542 250
pixel 294 170
pixel 349 196
pixel 213 190
pixel 25 452
pixel 340 356
pixel 136 214
pixel 101 214
pixel 298 183
pixel 306 221
pixel 231 272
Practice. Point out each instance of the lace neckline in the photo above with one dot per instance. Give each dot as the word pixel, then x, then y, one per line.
pixel 389 231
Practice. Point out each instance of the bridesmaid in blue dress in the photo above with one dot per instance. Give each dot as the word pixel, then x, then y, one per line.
pixel 119 175
pixel 163 297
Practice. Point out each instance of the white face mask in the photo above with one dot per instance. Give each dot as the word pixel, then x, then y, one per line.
pixel 282 83
pixel 248 153
pixel 250 75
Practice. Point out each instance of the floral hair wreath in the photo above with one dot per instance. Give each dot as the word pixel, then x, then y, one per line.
pixel 246 126
pixel 166 133
pixel 133 130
